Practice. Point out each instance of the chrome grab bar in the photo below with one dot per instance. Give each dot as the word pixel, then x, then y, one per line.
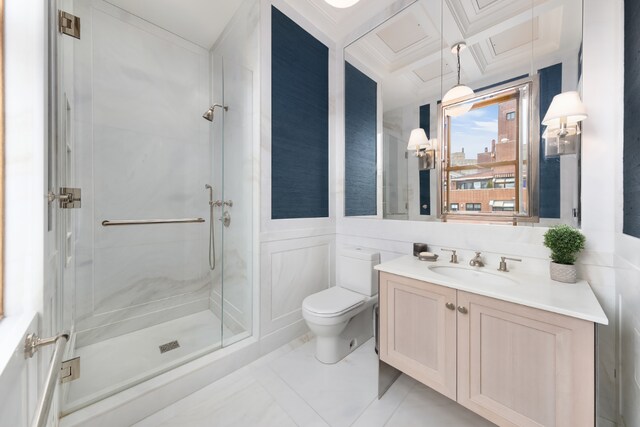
pixel 31 346
pixel 111 223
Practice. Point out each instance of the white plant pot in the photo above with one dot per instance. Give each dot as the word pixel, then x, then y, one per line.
pixel 563 272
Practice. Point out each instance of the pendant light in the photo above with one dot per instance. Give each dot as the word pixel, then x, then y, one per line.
pixel 342 4
pixel 459 90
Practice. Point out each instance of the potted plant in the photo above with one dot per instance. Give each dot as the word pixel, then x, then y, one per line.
pixel 565 243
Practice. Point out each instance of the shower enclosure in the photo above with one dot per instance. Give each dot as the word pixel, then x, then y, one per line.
pixel 156 265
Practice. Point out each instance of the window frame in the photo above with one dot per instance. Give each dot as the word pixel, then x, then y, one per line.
pixel 528 128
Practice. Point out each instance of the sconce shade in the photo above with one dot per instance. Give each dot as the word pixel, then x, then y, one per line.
pixel 342 4
pixel 566 105
pixel 417 139
pixel 457 92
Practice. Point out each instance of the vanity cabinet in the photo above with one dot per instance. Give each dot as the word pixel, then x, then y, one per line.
pixel 514 365
pixel 418 331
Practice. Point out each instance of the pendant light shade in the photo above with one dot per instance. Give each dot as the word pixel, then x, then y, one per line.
pixel 342 4
pixel 459 90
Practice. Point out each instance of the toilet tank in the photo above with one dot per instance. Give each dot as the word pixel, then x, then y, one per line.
pixel 355 270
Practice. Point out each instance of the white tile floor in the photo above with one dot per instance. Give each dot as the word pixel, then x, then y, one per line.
pixel 289 387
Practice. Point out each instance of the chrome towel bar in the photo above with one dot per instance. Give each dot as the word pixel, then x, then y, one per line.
pixel 111 223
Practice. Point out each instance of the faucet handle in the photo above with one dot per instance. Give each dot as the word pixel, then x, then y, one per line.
pixel 503 263
pixel 454 256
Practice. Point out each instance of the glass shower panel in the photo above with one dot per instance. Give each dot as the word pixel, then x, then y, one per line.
pixel 236 215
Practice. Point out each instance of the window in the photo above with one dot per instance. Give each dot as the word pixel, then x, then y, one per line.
pixel 504 182
pixel 454 207
pixel 502 205
pixel 489 147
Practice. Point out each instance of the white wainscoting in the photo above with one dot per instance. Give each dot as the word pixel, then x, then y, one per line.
pixel 291 269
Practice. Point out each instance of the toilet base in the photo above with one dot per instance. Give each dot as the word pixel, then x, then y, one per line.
pixel 332 349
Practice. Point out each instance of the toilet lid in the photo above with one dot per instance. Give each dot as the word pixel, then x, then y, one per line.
pixel 332 302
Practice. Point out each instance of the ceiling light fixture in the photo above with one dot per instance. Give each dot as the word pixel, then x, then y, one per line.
pixel 459 90
pixel 342 4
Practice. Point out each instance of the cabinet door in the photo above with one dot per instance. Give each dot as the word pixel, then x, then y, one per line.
pixel 519 366
pixel 418 331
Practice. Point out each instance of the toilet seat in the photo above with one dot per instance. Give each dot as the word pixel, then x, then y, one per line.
pixel 332 302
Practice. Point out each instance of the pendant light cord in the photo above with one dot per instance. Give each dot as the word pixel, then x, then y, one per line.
pixel 458 56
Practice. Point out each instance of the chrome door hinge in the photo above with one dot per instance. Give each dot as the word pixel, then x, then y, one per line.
pixel 70 370
pixel 68 24
pixel 70 198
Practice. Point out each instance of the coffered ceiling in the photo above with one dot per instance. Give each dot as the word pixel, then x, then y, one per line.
pixel 408 53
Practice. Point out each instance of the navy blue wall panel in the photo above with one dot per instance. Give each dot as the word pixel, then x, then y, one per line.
pixel 299 121
pixel 550 86
pixel 425 175
pixel 361 116
pixel 631 159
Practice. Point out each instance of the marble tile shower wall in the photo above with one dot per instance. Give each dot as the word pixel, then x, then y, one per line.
pixel 143 152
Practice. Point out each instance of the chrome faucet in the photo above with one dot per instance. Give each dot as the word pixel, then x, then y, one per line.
pixel 454 256
pixel 503 263
pixel 476 261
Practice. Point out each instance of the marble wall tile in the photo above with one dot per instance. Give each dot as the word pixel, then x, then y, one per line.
pixel 628 339
pixel 143 152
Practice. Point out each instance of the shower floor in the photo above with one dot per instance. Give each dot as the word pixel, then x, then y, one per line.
pixel 115 364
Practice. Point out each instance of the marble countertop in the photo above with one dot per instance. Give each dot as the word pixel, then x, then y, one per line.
pixel 537 291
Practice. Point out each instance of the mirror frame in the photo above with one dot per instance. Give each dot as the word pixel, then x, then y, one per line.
pixel 533 152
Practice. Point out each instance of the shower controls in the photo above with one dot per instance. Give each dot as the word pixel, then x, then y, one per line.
pixel 226 218
pixel 218 203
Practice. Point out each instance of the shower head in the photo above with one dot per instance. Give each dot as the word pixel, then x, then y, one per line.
pixel 208 115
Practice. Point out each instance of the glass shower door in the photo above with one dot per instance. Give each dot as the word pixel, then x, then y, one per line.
pixel 234 84
pixel 144 291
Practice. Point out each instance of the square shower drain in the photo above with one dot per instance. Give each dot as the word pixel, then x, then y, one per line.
pixel 169 346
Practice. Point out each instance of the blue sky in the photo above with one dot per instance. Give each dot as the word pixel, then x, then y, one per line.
pixel 474 130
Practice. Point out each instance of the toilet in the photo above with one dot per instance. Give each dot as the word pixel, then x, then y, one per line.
pixel 341 317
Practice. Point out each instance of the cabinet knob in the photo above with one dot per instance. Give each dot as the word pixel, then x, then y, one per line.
pixel 450 306
pixel 463 310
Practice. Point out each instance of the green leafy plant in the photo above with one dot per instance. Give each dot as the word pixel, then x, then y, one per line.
pixel 565 243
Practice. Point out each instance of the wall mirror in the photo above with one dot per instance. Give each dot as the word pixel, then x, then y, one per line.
pixel 397 76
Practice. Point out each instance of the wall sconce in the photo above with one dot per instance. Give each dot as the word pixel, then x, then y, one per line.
pixel 418 141
pixel 562 121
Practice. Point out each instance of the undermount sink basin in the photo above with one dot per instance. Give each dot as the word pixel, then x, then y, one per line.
pixel 472 276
